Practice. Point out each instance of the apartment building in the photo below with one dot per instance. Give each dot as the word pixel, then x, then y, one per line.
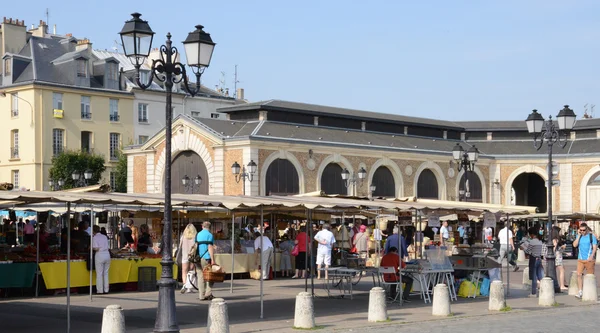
pixel 56 95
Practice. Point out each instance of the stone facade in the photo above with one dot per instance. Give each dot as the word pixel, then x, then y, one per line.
pixel 139 176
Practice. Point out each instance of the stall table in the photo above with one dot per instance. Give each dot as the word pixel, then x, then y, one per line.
pixel 17 275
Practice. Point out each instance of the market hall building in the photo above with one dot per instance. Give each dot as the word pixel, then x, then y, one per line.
pixel 301 148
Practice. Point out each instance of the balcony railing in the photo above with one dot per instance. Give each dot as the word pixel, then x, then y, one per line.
pixel 86 115
pixel 142 119
pixel 14 152
pixel 114 117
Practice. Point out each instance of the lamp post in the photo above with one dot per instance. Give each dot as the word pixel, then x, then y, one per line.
pixel 136 37
pixel 354 179
pixel 547 130
pixel 465 160
pixel 81 179
pixel 56 185
pixel 241 173
pixel 190 185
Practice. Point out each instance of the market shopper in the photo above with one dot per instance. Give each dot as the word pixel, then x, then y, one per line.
pixel 587 246
pixel 507 246
pixel 206 252
pixel 102 260
pixel 325 240
pixel 559 248
pixel 536 250
pixel 301 241
pixel 186 243
pixel 361 242
pixel 266 247
pixel 285 264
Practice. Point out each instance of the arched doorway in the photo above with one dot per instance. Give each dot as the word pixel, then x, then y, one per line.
pixel 385 185
pixel 281 178
pixel 530 190
pixel 331 180
pixel 188 163
pixel 475 189
pixel 427 185
pixel 593 194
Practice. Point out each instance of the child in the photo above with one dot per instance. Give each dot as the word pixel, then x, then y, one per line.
pixel 286 247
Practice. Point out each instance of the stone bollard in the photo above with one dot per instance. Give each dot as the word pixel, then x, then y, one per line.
pixel 590 293
pixel 304 314
pixel 526 280
pixel 546 292
pixel 377 307
pixel 573 285
pixel 521 256
pixel 218 317
pixel 441 300
pixel 497 301
pixel 113 320
pixel 597 253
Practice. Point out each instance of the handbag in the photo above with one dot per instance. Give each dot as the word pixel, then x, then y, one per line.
pixel 193 256
pixel 295 250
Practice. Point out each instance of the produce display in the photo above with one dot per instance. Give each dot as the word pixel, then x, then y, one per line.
pixel 28 254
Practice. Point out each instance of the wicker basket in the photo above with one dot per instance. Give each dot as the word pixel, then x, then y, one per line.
pixel 213 274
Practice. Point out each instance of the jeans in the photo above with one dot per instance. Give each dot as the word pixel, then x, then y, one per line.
pixel 102 261
pixel 506 251
pixel 204 288
pixel 536 272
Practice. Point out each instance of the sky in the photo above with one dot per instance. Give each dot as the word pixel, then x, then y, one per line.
pixel 450 60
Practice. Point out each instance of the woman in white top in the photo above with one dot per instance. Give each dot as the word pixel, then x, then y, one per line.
pixel 187 241
pixel 102 260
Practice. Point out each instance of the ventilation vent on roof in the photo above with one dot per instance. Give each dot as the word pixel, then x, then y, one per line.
pixel 320 138
pixel 43 46
pixel 369 142
pixel 222 132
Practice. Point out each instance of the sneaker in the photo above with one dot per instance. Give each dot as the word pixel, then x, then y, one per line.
pixel 579 294
pixel 406 300
pixel 516 269
pixel 183 290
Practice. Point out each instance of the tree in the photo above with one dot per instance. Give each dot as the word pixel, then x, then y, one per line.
pixel 121 174
pixel 67 162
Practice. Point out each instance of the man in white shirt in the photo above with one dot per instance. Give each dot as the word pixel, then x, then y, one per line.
pixel 507 245
pixel 326 240
pixel 487 232
pixel 102 260
pixel 444 234
pixel 263 244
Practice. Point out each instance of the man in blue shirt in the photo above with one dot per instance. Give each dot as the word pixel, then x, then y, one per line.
pixel 392 241
pixel 206 250
pixel 587 244
pixel 461 233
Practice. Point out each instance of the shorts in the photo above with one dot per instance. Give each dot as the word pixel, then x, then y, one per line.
pixel 323 259
pixel 588 266
pixel 285 262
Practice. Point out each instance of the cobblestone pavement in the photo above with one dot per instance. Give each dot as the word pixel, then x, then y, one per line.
pixel 579 319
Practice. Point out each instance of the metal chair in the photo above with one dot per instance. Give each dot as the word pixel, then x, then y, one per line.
pixel 386 284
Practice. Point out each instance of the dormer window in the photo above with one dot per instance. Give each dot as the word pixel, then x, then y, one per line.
pixel 82 68
pixel 7 66
pixel 112 71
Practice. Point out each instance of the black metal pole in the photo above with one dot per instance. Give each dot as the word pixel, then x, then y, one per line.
pixel 68 215
pixel 550 263
pixel 306 253
pixel 166 315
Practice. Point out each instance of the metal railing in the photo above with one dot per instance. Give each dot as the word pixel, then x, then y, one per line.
pixel 86 115
pixel 114 117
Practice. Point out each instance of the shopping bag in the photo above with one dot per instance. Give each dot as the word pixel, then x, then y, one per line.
pixel 484 290
pixel 467 288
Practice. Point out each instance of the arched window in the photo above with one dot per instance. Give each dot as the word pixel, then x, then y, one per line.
pixel 530 190
pixel 188 163
pixel 427 185
pixel 474 188
pixel 331 180
pixel 384 183
pixel 282 178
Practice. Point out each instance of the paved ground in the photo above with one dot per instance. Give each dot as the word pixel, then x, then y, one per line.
pixel 49 313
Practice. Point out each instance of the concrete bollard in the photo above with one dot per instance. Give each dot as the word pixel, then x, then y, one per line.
pixel 304 314
pixel 113 320
pixel 377 307
pixel 497 301
pixel 526 280
pixel 573 287
pixel 441 300
pixel 597 258
pixel 546 292
pixel 521 256
pixel 590 292
pixel 218 317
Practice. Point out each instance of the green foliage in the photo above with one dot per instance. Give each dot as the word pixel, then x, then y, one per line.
pixel 506 309
pixel 121 174
pixel 64 164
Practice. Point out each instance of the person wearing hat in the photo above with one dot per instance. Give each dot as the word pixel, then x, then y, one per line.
pixel 361 242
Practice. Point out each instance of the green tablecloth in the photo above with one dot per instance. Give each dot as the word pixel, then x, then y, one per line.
pixel 18 275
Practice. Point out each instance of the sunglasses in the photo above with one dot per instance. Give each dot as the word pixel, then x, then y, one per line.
pixel 582 229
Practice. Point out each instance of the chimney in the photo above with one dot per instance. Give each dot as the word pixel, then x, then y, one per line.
pixel 83 44
pixel 54 30
pixel 240 94
pixel 14 35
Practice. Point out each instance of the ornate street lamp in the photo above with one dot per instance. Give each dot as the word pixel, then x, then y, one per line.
pixel 137 36
pixel 465 160
pixel 191 185
pixel 354 179
pixel 548 131
pixel 81 179
pixel 241 173
pixel 56 185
